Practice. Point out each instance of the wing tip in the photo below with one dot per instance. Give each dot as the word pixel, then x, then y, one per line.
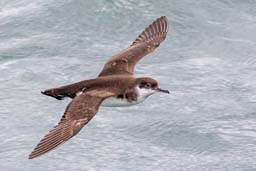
pixel 34 154
pixel 158 28
pixel 59 134
pixel 163 17
pixel 31 156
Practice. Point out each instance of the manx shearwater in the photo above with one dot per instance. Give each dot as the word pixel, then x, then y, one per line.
pixel 115 86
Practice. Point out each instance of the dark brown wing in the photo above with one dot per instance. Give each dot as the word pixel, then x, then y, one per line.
pixel 78 113
pixel 125 61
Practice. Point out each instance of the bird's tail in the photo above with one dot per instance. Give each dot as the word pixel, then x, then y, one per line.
pixel 68 90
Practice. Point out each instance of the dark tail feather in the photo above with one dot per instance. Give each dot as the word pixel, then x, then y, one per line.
pixel 68 90
pixel 51 93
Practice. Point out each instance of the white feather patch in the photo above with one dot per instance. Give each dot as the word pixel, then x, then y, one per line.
pixel 119 102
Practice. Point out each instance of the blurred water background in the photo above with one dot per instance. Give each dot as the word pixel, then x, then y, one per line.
pixel 208 62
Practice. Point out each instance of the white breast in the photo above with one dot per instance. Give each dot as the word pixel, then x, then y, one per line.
pixel 116 102
pixel 119 102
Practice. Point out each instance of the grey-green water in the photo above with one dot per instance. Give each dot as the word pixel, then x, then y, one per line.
pixel 208 62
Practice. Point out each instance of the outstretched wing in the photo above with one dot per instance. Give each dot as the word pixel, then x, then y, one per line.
pixel 125 61
pixel 78 113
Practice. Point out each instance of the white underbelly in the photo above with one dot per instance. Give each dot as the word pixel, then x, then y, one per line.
pixel 119 102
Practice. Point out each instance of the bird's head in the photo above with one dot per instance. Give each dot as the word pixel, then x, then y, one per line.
pixel 148 86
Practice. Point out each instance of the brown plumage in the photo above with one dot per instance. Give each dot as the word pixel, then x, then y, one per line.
pixel 122 63
pixel 78 113
pixel 125 61
pixel 115 80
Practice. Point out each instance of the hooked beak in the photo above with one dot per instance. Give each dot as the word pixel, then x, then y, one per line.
pixel 163 91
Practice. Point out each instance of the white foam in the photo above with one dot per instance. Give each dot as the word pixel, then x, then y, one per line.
pixel 204 61
pixel 237 40
pixel 15 42
pixel 14 11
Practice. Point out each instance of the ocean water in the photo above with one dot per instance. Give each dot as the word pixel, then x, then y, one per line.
pixel 208 62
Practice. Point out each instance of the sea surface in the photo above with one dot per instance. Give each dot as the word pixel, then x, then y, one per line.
pixel 208 62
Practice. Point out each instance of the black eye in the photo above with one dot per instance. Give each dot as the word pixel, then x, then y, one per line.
pixel 144 85
pixel 147 85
